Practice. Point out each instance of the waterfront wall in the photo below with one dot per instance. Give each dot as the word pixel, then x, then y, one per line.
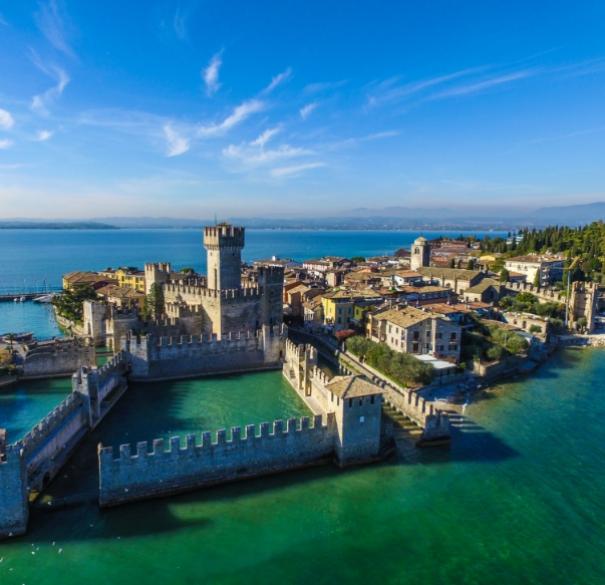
pixel 153 471
pixel 434 423
pixel 14 510
pixel 27 466
pixel 156 358
pixel 56 358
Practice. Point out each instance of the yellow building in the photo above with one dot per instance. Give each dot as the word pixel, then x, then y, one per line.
pixel 134 279
pixel 338 308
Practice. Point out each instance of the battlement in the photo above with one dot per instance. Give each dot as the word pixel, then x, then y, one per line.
pixel 544 293
pixel 53 420
pixel 163 468
pixel 224 236
pixel 158 266
pixel 318 374
pixel 203 293
pixel 206 442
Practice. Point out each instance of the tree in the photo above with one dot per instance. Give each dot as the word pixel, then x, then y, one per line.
pixel 504 275
pixel 69 304
pixel 358 259
pixel 154 302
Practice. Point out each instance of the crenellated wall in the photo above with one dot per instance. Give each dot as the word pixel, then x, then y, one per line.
pixel 544 294
pixel 154 358
pixel 28 466
pixel 157 471
pixel 56 358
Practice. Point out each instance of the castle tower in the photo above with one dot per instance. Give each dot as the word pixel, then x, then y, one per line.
pixel 271 284
pixel 224 243
pixel 156 273
pixel 421 253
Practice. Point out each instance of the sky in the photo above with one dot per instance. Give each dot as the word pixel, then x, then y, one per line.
pixel 191 108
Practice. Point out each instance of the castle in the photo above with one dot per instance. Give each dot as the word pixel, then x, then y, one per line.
pixel 217 305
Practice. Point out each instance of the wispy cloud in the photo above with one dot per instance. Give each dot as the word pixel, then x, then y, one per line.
pixel 278 80
pixel 484 84
pixel 356 140
pixel 237 116
pixel 179 23
pixel 6 120
pixel 44 135
pixel 295 170
pixel 5 143
pixel 41 102
pixel 390 90
pixel 307 110
pixel 210 74
pixel 267 135
pixel 313 88
pixel 50 21
pixel 251 156
pixel 176 144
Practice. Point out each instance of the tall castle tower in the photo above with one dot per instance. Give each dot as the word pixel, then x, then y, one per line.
pixel 421 253
pixel 224 243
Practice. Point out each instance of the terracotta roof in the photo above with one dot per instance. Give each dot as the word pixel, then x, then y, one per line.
pixel 352 387
pixel 405 316
pixel 448 273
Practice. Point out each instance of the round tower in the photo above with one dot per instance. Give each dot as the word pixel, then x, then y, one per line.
pixel 421 253
pixel 224 243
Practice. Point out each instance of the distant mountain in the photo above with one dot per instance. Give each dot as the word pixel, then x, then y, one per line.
pixel 450 218
pixel 22 224
pixel 570 214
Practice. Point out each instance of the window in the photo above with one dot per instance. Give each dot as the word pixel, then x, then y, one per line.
pixel 453 336
pixel 350 402
pixel 416 335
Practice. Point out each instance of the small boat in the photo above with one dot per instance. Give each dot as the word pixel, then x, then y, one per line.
pixel 22 299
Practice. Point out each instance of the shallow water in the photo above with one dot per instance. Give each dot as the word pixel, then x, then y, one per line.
pixel 517 499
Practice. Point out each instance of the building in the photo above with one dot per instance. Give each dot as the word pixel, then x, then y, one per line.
pixel 538 269
pixel 486 291
pixel 73 280
pixel 416 331
pixel 457 279
pixel 421 253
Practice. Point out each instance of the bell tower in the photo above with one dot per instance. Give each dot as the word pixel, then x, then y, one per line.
pixel 421 253
pixel 224 243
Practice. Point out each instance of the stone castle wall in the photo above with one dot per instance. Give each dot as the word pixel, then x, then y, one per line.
pixel 58 358
pixel 160 472
pixel 14 510
pixel 155 358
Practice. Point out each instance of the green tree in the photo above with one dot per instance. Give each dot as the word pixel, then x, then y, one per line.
pixel 504 275
pixel 154 302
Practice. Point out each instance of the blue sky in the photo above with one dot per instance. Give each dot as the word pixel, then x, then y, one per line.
pixel 187 109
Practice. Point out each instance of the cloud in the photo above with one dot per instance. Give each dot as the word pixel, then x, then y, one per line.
pixel 355 140
pixel 176 144
pixel 5 143
pixel 278 80
pixel 237 116
pixel 179 24
pixel 6 120
pixel 266 136
pixel 307 110
pixel 210 74
pixel 295 170
pixel 41 102
pixel 389 91
pixel 44 135
pixel 51 23
pixel 483 85
pixel 3 21
pixel 254 156
pixel 320 87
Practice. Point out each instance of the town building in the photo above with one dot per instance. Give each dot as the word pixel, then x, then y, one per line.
pixel 538 269
pixel 457 279
pixel 416 331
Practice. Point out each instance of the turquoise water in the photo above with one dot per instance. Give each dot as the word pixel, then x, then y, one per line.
pixel 517 499
pixel 24 404
pixel 37 318
pixel 36 258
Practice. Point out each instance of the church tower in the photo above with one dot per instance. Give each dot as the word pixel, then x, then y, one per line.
pixel 224 243
pixel 421 253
